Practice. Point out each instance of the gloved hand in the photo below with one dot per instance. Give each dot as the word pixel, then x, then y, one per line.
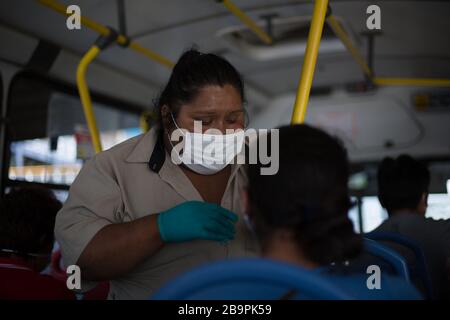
pixel 196 220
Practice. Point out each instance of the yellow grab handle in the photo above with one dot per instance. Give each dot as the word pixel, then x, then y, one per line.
pixel 345 39
pixel 309 62
pixel 85 97
pixel 264 36
pixel 91 24
pixel 411 82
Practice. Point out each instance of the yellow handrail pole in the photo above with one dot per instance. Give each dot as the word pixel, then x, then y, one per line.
pixel 411 82
pixel 143 121
pixel 345 39
pixel 122 40
pixel 86 101
pixel 309 62
pixel 264 36
pixel 148 53
pixel 61 8
pixel 380 81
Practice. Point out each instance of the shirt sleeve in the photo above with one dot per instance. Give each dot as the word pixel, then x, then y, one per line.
pixel 94 202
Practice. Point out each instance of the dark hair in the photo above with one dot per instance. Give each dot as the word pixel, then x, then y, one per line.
pixel 401 183
pixel 27 219
pixel 308 195
pixel 193 71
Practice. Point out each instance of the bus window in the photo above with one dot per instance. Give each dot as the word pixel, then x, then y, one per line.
pixel 48 136
pixel 373 214
pixel 438 206
pixel 353 216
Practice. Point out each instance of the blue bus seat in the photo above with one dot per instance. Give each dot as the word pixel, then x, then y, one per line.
pixel 250 279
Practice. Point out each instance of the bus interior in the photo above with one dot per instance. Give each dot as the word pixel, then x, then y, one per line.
pixel 384 92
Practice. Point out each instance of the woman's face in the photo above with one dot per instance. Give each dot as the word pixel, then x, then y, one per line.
pixel 216 107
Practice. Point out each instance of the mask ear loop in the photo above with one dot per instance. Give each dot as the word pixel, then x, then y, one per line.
pixel 177 128
pixel 173 120
pixel 246 116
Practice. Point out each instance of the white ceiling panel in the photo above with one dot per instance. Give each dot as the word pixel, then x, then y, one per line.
pixel 414 41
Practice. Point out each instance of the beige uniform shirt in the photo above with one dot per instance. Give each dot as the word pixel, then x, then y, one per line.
pixel 131 180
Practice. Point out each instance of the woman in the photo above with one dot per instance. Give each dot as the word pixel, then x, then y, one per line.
pixel 300 214
pixel 137 217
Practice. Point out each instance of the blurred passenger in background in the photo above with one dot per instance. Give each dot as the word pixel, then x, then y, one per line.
pixel 27 220
pixel 403 191
pixel 300 214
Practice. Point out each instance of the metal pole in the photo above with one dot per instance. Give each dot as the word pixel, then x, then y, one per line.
pixel 342 35
pixel 309 62
pixel 411 82
pixel 102 30
pixel 360 214
pixel 85 97
pixel 266 38
pixel 122 17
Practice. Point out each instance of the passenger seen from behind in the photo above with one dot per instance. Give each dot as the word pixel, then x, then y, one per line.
pixel 300 214
pixel 27 220
pixel 403 191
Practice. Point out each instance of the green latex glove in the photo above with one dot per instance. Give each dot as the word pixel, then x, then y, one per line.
pixel 197 220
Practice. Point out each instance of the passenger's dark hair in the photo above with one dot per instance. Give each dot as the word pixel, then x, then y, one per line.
pixel 193 71
pixel 27 219
pixel 402 182
pixel 307 196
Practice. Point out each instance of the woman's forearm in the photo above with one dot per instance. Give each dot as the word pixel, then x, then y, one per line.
pixel 118 248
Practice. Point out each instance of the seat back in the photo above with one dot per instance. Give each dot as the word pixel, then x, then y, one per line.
pixel 396 261
pixel 249 279
pixel 405 246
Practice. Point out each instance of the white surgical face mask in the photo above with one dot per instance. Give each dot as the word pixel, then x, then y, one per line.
pixel 209 153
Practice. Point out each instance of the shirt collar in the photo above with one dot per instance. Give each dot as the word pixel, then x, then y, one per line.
pixel 149 149
pixel 158 155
